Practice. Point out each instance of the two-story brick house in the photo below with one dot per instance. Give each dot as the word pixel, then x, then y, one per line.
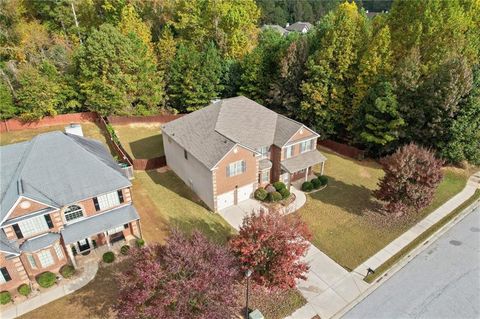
pixel 61 195
pixel 227 149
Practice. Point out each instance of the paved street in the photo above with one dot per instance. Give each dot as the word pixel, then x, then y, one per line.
pixel 442 282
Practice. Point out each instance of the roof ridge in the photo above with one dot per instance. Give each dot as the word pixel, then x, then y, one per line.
pixel 69 136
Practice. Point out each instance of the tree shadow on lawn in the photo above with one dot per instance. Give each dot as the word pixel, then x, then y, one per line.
pixel 354 199
pixel 172 182
pixel 99 296
pixel 148 147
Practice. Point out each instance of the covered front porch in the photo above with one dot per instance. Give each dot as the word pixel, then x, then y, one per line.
pixel 299 169
pixel 101 232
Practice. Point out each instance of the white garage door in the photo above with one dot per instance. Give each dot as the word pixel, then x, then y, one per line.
pixel 244 192
pixel 225 200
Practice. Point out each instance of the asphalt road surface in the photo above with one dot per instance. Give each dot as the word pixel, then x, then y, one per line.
pixel 441 282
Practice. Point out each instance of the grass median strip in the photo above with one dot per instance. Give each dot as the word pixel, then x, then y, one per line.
pixel 421 239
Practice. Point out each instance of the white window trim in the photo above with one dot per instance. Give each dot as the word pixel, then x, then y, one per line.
pixel 33 226
pixel 236 168
pixel 265 173
pixel 58 251
pixel 108 200
pixel 76 219
pixel 31 261
pixel 46 258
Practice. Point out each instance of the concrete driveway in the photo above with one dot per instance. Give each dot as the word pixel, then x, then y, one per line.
pixel 234 214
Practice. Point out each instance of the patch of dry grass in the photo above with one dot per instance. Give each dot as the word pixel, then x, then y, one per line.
pixel 141 140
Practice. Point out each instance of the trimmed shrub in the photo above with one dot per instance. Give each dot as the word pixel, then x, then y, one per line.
pixel 67 271
pixel 24 289
pixel 124 250
pixel 274 197
pixel 284 192
pixel 323 179
pixel 5 297
pixel 307 186
pixel 108 257
pixel 270 189
pixel 279 186
pixel 140 242
pixel 46 279
pixel 260 194
pixel 316 183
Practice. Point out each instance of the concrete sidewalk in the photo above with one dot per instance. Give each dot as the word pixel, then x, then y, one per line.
pixel 47 296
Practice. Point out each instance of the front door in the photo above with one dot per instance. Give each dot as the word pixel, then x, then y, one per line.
pixel 83 245
pixel 285 178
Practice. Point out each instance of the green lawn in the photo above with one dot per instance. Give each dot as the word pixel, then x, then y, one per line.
pixel 342 217
pixel 141 140
pixel 90 130
pixel 164 201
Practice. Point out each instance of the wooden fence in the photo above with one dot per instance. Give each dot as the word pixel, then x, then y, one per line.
pixel 16 125
pixel 343 149
pixel 143 119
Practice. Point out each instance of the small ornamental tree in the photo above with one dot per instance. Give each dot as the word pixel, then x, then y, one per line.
pixel 189 277
pixel 271 245
pixel 412 174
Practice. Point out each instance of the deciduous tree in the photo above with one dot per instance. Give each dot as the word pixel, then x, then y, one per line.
pixel 412 175
pixel 189 277
pixel 271 246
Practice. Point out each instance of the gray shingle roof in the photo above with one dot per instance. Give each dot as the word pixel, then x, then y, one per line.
pixel 302 161
pixel 299 26
pixel 210 133
pixel 57 169
pixel 99 223
pixel 7 246
pixel 275 27
pixel 40 242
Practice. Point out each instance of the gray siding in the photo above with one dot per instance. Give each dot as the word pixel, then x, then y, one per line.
pixel 196 175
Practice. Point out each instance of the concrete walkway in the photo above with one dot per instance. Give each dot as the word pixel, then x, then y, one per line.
pixel 49 295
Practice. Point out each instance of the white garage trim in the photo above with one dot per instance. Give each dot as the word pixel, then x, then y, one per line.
pixel 225 200
pixel 244 192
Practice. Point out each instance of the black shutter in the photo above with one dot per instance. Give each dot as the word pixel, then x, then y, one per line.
pixel 120 195
pixel 48 219
pixel 125 226
pixel 17 230
pixel 5 274
pixel 95 202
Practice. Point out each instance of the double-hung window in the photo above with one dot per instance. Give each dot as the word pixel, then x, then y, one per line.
pixel 265 176
pixel 4 275
pixel 107 201
pixel 46 258
pixel 305 146
pixel 288 151
pixel 236 168
pixel 32 262
pixel 263 152
pixel 58 251
pixel 32 226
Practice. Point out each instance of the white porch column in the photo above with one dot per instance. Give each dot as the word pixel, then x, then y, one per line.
pixel 70 254
pixel 306 174
pixel 323 166
pixel 107 239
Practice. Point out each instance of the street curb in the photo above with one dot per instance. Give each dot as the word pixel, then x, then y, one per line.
pixel 406 259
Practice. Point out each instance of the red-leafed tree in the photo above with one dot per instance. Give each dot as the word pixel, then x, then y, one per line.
pixel 271 246
pixel 412 174
pixel 188 277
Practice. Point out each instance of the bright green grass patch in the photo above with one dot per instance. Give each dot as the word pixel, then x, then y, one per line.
pixel 174 205
pixel 420 239
pixel 341 216
pixel 141 140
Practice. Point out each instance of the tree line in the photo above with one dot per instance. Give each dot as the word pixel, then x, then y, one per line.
pixel 409 75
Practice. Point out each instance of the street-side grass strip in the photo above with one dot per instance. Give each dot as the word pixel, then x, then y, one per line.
pixel 344 218
pixel 405 251
pixel 142 140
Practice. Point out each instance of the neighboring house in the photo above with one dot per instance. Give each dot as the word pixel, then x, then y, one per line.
pixel 302 27
pixel 275 27
pixel 227 149
pixel 61 195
